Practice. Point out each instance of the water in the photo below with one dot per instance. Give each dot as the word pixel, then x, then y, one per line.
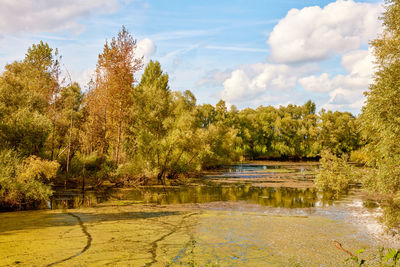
pixel 258 214
pixel 288 186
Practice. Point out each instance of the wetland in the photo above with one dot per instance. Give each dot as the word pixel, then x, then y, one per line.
pixel 254 214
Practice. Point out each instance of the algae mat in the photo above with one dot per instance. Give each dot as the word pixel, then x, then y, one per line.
pixel 173 235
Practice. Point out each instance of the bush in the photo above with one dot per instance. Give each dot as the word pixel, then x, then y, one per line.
pixel 335 173
pixel 24 181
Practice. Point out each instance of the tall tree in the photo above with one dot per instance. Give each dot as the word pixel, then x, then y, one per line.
pixel 68 123
pixel 166 136
pixel 109 98
pixel 147 127
pixel 381 114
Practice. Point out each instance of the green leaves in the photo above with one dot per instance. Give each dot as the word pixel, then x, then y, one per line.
pixel 381 114
pixel 392 255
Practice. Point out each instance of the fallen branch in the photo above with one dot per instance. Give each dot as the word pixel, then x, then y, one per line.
pixel 339 246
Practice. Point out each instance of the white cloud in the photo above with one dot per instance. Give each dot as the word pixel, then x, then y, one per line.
pixel 145 48
pixel 314 33
pixel 348 90
pixel 303 37
pixel 314 83
pixel 252 81
pixel 49 15
pixel 345 99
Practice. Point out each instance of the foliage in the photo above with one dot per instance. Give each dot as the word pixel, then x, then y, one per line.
pixel 390 259
pixel 339 132
pixel 27 91
pixel 23 181
pixel 295 131
pixel 123 131
pixel 381 114
pixel 359 156
pixel 109 99
pixel 335 173
pixel 162 134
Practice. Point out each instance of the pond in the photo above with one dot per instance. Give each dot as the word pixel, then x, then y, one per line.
pixel 255 214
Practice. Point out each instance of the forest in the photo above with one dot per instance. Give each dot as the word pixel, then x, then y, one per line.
pixel 126 131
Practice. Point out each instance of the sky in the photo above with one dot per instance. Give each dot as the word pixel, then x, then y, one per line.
pixel 248 53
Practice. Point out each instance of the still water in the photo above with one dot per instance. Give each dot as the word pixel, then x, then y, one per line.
pixel 257 214
pixel 261 184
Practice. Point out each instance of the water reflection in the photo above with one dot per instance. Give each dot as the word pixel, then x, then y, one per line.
pixel 251 171
pixel 265 196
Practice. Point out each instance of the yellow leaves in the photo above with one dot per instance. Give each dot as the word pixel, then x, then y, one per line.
pixel 35 168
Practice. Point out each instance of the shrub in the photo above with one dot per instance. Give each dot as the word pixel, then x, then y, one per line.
pixel 335 173
pixel 24 181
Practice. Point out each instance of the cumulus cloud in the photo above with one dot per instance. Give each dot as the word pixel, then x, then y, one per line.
pixel 298 42
pixel 314 33
pixel 145 48
pixel 345 90
pixel 314 83
pixel 254 80
pixel 49 15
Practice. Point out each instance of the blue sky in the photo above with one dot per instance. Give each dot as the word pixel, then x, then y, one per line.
pixel 248 53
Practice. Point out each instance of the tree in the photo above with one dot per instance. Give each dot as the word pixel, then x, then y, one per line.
pixel 381 114
pixel 339 132
pixel 109 98
pixel 67 130
pixel 27 99
pixel 28 92
pixel 163 138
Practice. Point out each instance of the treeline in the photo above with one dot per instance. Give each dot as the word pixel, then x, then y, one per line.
pixel 294 132
pixel 134 132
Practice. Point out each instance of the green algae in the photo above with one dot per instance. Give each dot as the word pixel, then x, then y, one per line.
pixel 174 235
pixel 203 224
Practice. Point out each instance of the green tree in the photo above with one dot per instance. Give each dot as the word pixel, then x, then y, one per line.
pixel 381 114
pixel 162 134
pixel 335 173
pixel 27 95
pixel 339 132
pixel 66 137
